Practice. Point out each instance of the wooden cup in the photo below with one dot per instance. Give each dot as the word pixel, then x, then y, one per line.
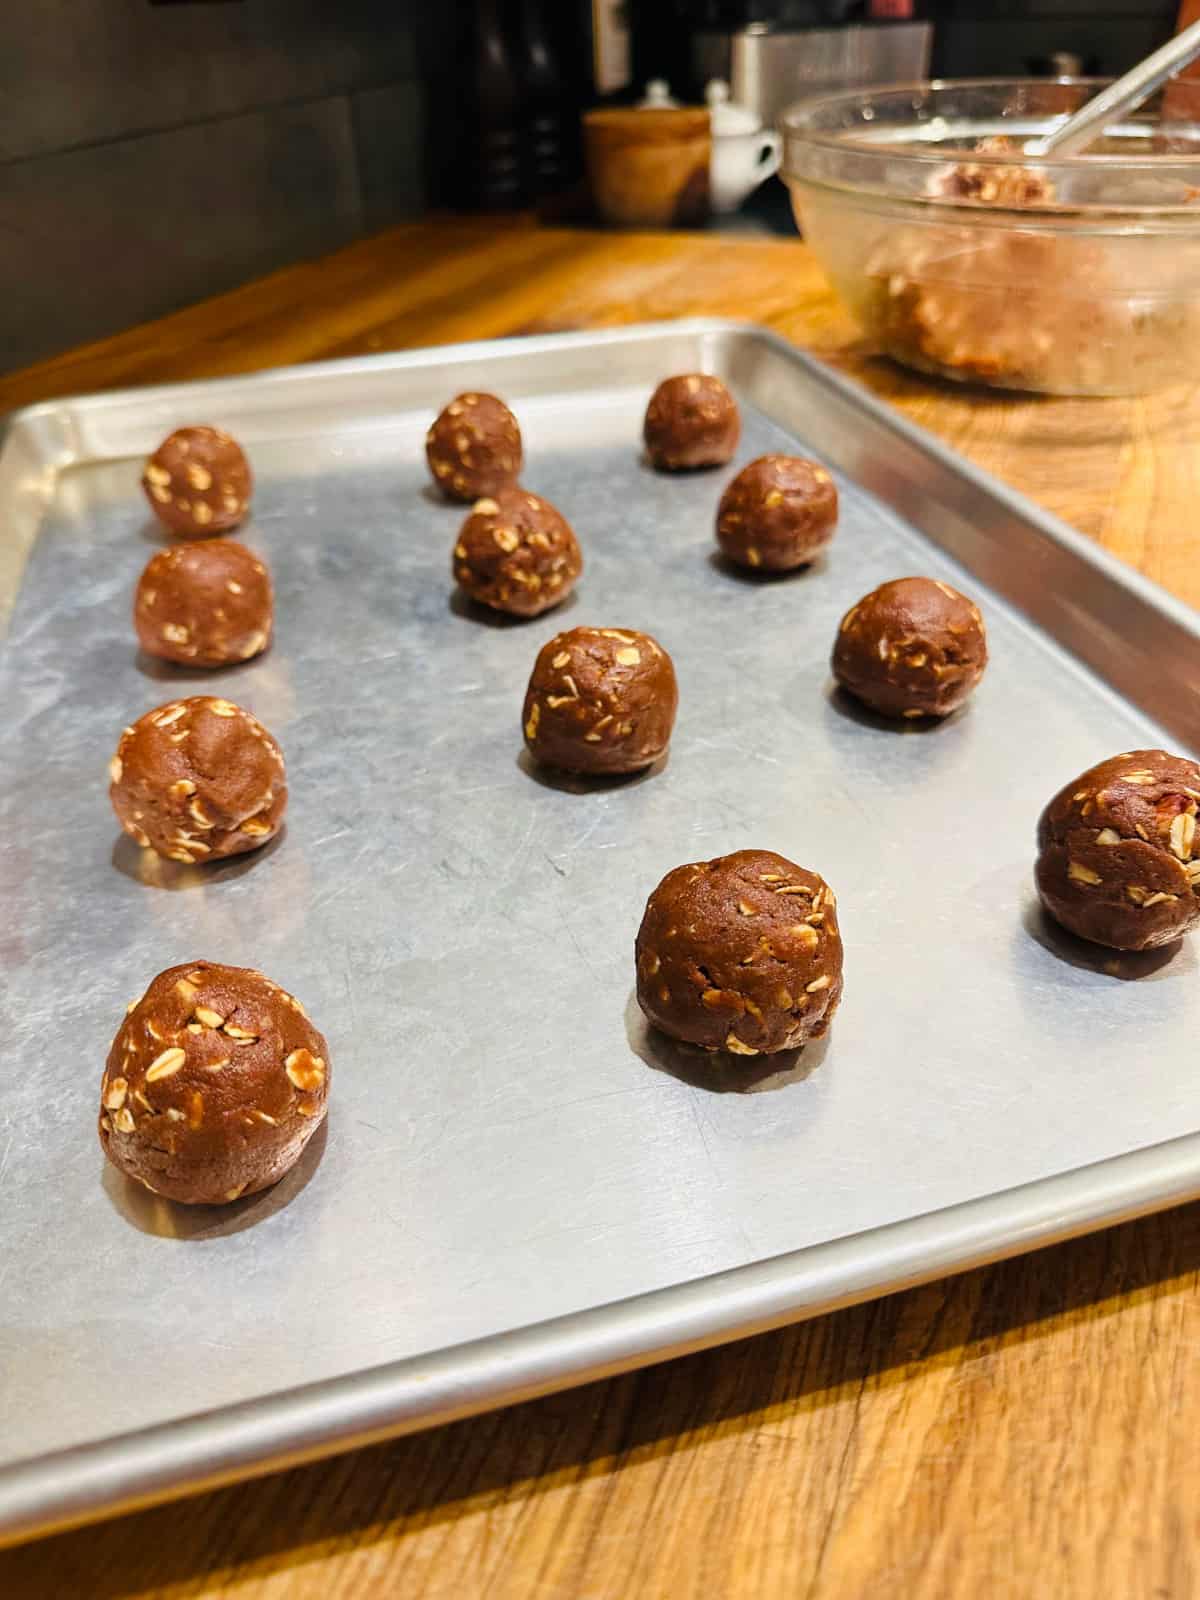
pixel 649 169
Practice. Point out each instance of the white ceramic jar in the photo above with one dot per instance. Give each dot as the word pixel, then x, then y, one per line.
pixel 744 153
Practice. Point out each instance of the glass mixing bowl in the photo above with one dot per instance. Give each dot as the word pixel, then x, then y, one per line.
pixel 962 256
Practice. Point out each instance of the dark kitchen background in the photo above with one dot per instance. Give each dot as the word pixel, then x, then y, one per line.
pixel 154 152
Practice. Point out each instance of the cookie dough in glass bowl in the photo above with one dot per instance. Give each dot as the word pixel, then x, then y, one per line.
pixel 962 256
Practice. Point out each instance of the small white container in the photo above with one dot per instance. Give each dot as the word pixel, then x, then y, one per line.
pixel 744 153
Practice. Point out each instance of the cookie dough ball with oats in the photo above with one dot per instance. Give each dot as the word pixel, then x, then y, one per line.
pixel 778 513
pixel 474 447
pixel 691 421
pixel 197 780
pixel 1116 851
pixel 215 1083
pixel 741 954
pixel 914 647
pixel 600 701
pixel 204 604
pixel 198 482
pixel 517 553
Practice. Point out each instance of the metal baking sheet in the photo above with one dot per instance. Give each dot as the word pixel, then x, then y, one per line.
pixel 521 1187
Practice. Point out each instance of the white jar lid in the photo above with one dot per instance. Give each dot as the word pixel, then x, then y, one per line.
pixel 658 97
pixel 726 115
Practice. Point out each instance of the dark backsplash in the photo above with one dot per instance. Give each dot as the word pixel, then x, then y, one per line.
pixel 982 38
pixel 152 155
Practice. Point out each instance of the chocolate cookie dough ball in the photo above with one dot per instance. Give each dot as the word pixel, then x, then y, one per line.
pixel 778 513
pixel 215 1082
pixel 204 604
pixel 198 482
pixel 600 700
pixel 197 780
pixel 691 421
pixel 516 553
pixel 741 954
pixel 474 447
pixel 993 183
pixel 1116 851
pixel 914 647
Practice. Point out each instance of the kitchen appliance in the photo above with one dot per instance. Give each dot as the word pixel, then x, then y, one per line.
pixel 769 67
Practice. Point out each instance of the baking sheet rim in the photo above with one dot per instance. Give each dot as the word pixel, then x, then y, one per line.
pixel 205 1451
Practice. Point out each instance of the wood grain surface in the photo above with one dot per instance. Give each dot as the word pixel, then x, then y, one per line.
pixel 1029 1429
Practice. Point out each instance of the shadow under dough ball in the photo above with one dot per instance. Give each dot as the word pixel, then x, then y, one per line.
pixel 474 447
pixel 1115 851
pixel 778 513
pixel 215 1083
pixel 197 780
pixel 914 647
pixel 516 553
pixel 600 701
pixel 741 954
pixel 198 482
pixel 204 604
pixel 691 421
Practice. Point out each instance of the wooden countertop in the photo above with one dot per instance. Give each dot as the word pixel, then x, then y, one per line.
pixel 1028 1429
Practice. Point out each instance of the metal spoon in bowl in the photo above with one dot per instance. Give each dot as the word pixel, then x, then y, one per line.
pixel 1126 94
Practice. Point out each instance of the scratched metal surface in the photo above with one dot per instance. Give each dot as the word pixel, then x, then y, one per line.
pixel 506 1142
